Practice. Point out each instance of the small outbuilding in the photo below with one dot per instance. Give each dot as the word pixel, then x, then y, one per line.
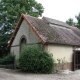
pixel 55 37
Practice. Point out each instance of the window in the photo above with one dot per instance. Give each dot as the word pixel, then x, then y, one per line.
pixel 22 42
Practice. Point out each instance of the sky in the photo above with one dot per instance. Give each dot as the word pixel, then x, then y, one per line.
pixel 60 9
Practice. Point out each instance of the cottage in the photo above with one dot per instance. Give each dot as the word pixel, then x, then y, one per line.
pixel 57 38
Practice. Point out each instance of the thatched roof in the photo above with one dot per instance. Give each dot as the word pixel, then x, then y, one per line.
pixel 50 31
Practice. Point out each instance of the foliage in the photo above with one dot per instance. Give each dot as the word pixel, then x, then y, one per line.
pixel 10 11
pixel 78 20
pixel 33 59
pixel 72 23
pixel 9 59
pixel 61 63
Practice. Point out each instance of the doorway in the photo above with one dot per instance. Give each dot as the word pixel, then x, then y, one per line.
pixel 76 60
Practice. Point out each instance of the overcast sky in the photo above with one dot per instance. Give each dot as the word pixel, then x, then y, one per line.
pixel 60 9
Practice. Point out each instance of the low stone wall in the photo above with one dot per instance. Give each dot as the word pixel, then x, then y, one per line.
pixel 66 66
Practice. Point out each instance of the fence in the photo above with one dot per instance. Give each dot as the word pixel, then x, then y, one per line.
pixel 8 64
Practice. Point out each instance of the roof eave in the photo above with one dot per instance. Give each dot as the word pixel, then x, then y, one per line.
pixel 62 44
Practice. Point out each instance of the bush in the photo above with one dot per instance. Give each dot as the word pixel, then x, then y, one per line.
pixel 32 59
pixel 1 61
pixel 9 59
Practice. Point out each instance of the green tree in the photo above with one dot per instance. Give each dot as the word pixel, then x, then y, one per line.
pixel 10 11
pixel 70 22
pixel 78 20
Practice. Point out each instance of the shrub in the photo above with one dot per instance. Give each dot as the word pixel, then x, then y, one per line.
pixel 1 61
pixel 9 59
pixel 32 59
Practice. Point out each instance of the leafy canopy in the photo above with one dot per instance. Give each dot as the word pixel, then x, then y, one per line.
pixel 10 11
pixel 71 22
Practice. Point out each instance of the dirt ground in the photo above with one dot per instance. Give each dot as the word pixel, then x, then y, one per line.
pixel 7 74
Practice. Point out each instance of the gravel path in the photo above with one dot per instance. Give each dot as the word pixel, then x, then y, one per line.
pixel 7 74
